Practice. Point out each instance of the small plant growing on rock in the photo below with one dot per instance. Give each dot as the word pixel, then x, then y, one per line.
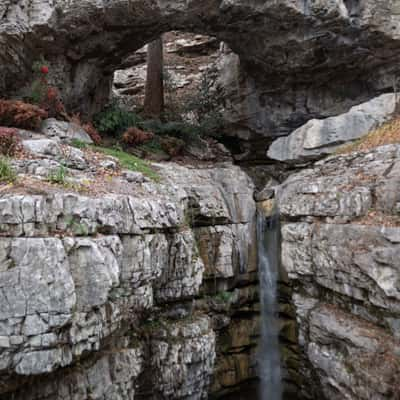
pixel 92 132
pixel 59 176
pixel 81 230
pixel 224 297
pixel 39 86
pixel 9 141
pixel 7 173
pixel 172 145
pixel 15 113
pixel 79 144
pixel 189 133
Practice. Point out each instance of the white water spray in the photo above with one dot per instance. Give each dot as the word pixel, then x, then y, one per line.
pixel 269 360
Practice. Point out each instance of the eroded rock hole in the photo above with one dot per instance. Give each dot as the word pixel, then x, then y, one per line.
pixel 353 7
pixel 179 94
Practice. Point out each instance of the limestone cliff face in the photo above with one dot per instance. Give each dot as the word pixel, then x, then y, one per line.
pixel 340 249
pixel 124 296
pixel 298 59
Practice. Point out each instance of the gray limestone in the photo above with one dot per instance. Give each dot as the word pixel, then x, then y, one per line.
pixel 78 273
pixel 319 137
pixel 340 250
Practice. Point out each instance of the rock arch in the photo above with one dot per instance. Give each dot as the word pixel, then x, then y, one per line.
pixel 299 59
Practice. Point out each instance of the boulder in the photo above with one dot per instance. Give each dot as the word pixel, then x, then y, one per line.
pixel 49 148
pixel 133 176
pixel 64 131
pixel 320 137
pixel 43 147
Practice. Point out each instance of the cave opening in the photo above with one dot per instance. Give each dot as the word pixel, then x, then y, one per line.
pixel 198 79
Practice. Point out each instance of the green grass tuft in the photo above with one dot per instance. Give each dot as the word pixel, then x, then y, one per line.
pixel 7 174
pixel 59 176
pixel 79 144
pixel 130 161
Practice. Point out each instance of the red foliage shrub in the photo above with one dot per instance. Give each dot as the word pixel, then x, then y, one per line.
pixel 88 127
pixel 9 141
pixel 15 113
pixel 52 93
pixel 135 136
pixel 52 103
pixel 43 94
pixel 92 132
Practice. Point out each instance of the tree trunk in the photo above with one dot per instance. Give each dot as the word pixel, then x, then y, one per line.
pixel 154 92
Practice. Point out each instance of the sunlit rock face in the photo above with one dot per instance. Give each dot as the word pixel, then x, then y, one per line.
pixel 298 59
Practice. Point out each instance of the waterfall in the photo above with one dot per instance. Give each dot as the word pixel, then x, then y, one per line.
pixel 269 360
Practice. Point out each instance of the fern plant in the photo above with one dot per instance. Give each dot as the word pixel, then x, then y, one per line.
pixel 114 121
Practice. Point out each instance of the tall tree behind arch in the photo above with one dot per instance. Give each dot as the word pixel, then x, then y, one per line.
pixel 154 90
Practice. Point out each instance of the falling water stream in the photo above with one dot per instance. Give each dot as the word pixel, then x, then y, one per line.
pixel 269 360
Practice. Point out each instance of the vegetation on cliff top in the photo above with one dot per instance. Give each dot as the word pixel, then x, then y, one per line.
pixel 389 133
pixel 129 161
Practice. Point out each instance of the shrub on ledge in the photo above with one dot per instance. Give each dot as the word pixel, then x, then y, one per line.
pixel 114 121
pixel 15 113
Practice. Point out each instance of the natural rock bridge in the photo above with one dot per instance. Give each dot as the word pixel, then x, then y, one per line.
pixel 299 59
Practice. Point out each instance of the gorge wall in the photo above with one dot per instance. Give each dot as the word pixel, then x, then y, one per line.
pixel 340 249
pixel 150 289
pixel 127 296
